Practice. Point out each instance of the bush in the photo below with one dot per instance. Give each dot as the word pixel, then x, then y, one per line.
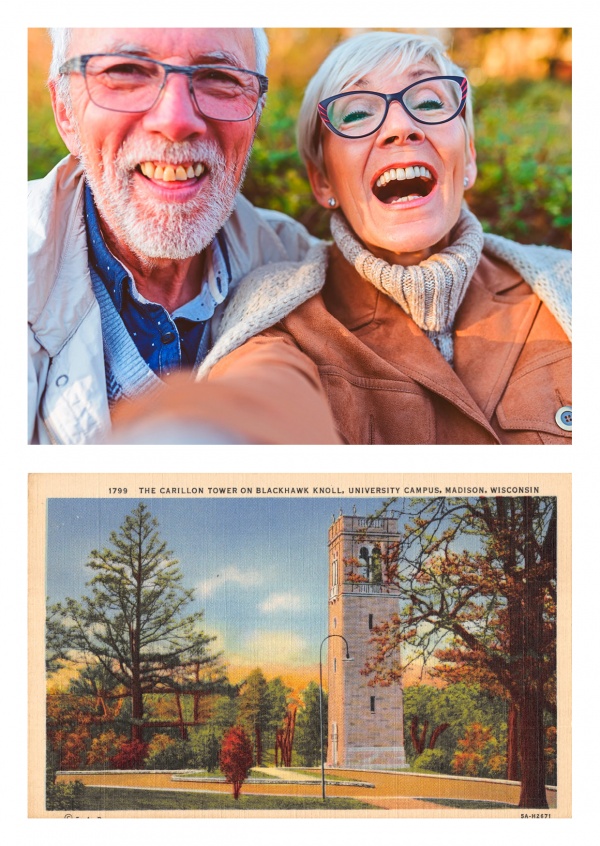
pixel 130 756
pixel 206 744
pixel 178 755
pixel 64 796
pixel 479 753
pixel 158 743
pixel 103 748
pixel 434 760
pixel 523 141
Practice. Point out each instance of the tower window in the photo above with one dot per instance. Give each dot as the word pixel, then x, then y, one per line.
pixel 372 704
pixel 335 622
pixel 335 665
pixel 370 621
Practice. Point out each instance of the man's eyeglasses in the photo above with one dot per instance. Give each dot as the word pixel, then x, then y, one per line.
pixel 356 114
pixel 123 82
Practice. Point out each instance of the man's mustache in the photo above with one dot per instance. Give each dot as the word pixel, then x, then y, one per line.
pixel 133 153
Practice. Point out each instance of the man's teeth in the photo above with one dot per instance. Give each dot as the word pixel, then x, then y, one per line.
pixel 403 173
pixel 171 173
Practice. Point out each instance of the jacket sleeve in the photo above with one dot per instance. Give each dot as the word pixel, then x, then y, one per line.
pixel 264 392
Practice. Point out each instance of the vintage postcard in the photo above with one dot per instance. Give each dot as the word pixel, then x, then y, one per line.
pixel 353 645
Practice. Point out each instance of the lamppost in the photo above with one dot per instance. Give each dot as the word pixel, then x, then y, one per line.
pixel 347 658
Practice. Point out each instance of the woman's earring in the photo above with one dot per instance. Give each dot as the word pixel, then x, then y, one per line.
pixel 466 181
pixel 332 202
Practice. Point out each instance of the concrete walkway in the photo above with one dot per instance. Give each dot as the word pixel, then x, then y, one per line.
pixel 391 791
pixel 287 775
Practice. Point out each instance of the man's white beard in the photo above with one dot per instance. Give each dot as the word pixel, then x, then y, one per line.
pixel 161 229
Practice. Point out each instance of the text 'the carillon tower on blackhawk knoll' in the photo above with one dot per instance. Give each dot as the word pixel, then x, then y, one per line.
pixel 365 723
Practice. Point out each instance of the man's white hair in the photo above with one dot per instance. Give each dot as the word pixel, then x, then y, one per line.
pixel 61 40
pixel 393 52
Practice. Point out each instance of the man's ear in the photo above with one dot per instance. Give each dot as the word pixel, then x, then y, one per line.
pixel 64 120
pixel 320 185
pixel 470 163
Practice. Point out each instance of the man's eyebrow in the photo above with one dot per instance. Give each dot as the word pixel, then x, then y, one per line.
pixel 216 57
pixel 126 47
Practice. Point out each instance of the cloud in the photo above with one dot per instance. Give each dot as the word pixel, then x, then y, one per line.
pixel 280 602
pixel 230 575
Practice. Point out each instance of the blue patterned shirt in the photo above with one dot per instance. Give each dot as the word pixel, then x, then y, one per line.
pixel 166 342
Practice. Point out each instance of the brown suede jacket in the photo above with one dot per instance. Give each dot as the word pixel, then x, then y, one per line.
pixel 387 384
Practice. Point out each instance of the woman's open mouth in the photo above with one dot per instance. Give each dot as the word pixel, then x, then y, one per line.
pixel 402 185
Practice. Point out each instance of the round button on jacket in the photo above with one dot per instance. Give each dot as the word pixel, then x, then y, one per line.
pixel 564 418
pixel 168 337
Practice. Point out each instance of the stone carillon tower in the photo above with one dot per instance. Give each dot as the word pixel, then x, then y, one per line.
pixel 365 723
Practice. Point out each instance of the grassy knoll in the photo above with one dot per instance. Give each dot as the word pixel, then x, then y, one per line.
pixel 114 799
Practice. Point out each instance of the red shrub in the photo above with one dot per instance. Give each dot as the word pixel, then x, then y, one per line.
pixel 236 758
pixel 130 756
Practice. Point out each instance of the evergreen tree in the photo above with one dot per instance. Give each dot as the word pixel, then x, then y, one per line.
pixel 253 710
pixel 133 623
pixel 307 739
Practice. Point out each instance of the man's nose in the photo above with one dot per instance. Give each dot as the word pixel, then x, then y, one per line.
pixel 175 114
pixel 399 127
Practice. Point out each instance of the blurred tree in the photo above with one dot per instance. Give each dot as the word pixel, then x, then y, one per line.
pixel 521 82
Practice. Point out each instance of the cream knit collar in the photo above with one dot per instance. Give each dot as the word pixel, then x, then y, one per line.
pixel 430 292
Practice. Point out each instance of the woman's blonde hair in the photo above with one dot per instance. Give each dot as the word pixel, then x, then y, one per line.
pixel 355 58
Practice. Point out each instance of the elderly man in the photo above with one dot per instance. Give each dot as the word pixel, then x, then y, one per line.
pixel 139 236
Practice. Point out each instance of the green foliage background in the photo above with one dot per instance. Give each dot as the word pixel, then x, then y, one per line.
pixel 523 141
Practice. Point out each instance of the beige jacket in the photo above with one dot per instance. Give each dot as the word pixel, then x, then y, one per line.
pixel 67 393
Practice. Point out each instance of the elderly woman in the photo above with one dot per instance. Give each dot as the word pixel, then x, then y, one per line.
pixel 421 329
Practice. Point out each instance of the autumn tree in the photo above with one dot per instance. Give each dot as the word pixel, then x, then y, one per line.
pixel 308 726
pixel 478 753
pixel 476 579
pixel 134 622
pixel 236 758
pixel 436 719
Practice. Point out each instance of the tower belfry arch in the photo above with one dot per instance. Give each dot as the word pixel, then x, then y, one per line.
pixel 365 723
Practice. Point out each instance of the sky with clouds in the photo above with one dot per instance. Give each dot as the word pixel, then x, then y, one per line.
pixel 258 566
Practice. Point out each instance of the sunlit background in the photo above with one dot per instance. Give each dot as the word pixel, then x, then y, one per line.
pixel 522 84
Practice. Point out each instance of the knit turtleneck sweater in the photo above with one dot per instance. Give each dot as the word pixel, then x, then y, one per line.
pixel 430 292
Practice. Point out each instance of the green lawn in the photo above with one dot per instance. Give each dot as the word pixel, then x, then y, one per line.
pixel 115 799
pixel 468 804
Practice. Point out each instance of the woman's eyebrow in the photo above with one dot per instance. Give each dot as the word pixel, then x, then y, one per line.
pixel 416 73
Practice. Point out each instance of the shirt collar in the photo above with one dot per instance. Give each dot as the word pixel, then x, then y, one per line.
pixel 115 276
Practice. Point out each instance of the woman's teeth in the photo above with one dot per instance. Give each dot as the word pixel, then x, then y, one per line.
pixel 171 173
pixel 403 173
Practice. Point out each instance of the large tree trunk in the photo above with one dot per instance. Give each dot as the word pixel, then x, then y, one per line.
pixel 531 700
pixel 137 713
pixel 533 766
